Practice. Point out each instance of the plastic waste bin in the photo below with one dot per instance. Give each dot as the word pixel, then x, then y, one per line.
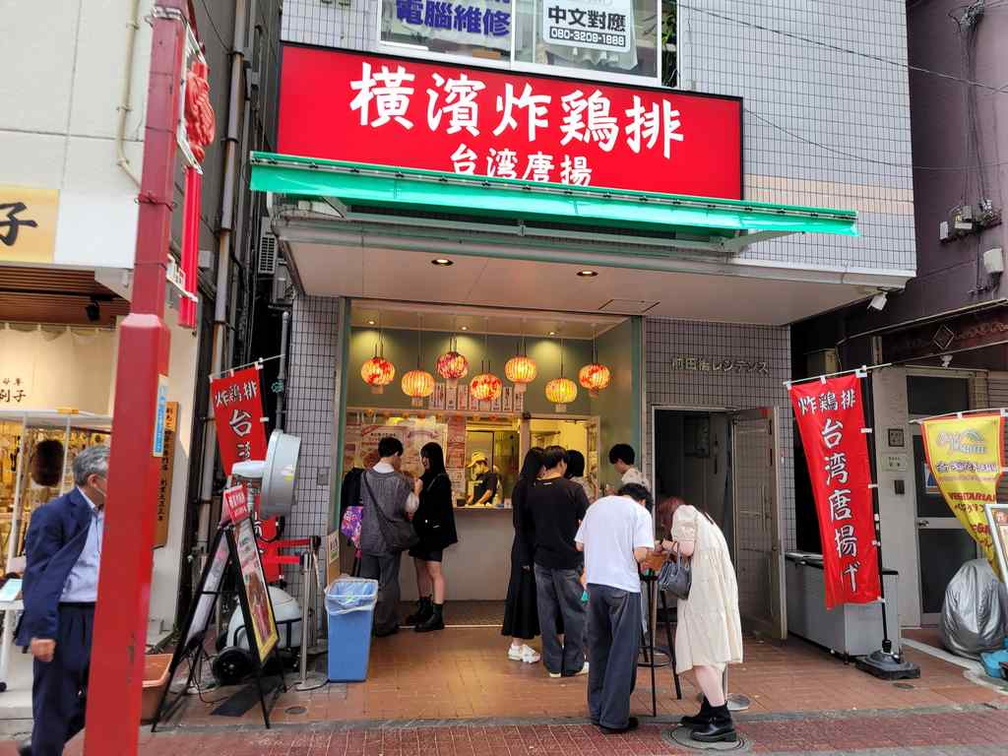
pixel 350 604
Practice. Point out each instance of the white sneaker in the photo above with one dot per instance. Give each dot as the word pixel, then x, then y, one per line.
pixel 529 655
pixel 555 675
pixel 516 653
pixel 584 670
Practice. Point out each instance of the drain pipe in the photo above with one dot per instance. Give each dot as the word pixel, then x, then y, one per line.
pixel 132 27
pixel 224 243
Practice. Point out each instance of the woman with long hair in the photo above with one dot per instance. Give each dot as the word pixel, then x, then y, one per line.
pixel 709 631
pixel 521 613
pixel 434 522
pixel 576 473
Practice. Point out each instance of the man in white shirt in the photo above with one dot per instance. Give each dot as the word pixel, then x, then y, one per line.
pixel 616 535
pixel 622 458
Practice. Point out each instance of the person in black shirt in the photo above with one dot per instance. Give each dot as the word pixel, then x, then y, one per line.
pixel 557 506
pixel 487 481
pixel 434 523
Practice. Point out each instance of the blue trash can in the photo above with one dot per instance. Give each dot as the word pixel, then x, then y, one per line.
pixel 350 604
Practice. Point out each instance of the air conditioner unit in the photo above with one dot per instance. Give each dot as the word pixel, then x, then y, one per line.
pixel 267 249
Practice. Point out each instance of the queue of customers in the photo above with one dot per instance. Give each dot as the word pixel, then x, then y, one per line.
pixel 575 574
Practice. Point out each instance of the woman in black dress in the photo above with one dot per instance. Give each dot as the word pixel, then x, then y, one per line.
pixel 521 615
pixel 434 523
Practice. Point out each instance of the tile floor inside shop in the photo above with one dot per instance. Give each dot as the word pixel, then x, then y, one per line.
pixel 463 673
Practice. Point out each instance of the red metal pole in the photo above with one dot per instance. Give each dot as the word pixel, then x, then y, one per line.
pixel 120 632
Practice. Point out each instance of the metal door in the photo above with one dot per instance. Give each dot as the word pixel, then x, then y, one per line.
pixel 759 560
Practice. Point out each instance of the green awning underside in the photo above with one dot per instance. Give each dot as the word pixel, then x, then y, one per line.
pixel 361 187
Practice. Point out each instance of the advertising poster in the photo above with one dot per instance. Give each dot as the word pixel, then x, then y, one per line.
pixel 412 432
pixel 966 457
pixel 254 584
pixel 831 419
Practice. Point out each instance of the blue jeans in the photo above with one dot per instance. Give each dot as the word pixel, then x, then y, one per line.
pixel 558 594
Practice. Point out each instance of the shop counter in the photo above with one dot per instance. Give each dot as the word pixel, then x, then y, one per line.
pixel 478 567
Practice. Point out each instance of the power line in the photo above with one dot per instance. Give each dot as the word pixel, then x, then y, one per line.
pixel 865 158
pixel 847 51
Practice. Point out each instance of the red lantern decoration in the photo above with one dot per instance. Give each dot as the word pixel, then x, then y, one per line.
pixel 561 392
pixel 594 377
pixel 521 371
pixel 452 366
pixel 485 387
pixel 377 373
pixel 418 385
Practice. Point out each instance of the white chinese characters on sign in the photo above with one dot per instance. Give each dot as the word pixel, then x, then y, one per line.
pixel 383 96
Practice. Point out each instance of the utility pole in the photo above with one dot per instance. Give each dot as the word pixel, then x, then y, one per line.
pixel 120 632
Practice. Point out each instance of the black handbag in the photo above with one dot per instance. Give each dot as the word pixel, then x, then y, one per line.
pixel 676 576
pixel 398 535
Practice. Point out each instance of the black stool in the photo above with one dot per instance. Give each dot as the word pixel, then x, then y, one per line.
pixel 650 580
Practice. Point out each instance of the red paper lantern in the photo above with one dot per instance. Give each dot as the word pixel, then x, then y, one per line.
pixel 485 387
pixel 377 373
pixel 418 385
pixel 452 366
pixel 521 371
pixel 594 377
pixel 561 392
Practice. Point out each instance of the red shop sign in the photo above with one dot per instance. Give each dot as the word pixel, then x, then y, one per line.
pixel 831 422
pixel 402 112
pixel 238 416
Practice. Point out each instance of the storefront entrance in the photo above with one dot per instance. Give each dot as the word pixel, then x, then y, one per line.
pixel 724 463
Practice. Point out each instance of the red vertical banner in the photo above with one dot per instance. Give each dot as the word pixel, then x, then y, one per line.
pixel 190 244
pixel 238 416
pixel 831 422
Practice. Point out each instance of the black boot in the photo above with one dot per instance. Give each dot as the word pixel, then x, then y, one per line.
pixel 434 622
pixel 423 612
pixel 701 718
pixel 719 729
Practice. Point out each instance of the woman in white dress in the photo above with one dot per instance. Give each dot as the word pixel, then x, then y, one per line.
pixel 709 631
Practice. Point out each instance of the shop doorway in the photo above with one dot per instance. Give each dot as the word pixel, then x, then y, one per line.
pixel 724 462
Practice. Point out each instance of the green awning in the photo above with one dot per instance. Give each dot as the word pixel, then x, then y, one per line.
pixel 361 186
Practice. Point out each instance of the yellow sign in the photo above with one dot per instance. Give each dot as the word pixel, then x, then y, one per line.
pixel 27 224
pixel 966 457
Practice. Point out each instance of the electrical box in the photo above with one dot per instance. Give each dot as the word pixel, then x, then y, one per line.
pixel 993 260
pixel 943 231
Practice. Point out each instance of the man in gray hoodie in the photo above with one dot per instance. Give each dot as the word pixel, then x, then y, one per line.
pixel 388 499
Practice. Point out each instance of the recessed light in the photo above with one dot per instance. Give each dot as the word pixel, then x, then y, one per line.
pixel 552 333
pixel 370 322
pixel 465 328
pixel 587 273
pixel 442 261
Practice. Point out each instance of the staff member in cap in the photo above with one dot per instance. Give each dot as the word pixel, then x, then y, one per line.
pixel 487 481
pixel 63 550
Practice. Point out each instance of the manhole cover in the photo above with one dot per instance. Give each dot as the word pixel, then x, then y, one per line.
pixel 680 736
pixel 903 686
pixel 295 710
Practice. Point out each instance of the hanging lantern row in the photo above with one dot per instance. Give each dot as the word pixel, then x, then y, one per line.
pixel 452 366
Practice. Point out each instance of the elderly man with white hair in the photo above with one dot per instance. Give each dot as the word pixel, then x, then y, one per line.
pixel 63 550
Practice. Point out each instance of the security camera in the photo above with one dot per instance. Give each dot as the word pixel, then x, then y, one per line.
pixel 946 360
pixel 878 302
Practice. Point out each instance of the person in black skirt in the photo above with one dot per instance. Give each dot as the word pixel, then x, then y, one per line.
pixel 434 523
pixel 521 614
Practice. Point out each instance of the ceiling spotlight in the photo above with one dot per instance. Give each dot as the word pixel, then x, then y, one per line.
pixel 552 333
pixel 442 261
pixel 878 302
pixel 93 311
pixel 465 328
pixel 587 273
pixel 370 322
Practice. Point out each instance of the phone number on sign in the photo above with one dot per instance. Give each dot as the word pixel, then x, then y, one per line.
pixel 588 37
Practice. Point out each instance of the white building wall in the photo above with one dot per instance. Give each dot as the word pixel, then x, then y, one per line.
pixel 65 62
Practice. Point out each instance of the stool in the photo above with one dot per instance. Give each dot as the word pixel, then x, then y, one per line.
pixel 650 580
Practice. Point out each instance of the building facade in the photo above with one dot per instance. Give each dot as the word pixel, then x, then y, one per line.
pixel 946 333
pixel 388 218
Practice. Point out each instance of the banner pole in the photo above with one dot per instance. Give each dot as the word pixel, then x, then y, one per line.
pixel 869 401
pixel 882 663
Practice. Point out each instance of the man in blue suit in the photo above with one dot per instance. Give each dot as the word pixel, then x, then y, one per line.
pixel 63 549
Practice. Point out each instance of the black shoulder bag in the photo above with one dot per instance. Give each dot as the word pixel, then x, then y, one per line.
pixel 398 535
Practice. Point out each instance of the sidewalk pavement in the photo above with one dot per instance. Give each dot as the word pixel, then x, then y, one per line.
pixel 948 731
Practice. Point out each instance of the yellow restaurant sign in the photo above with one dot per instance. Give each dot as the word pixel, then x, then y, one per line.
pixel 966 457
pixel 27 224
